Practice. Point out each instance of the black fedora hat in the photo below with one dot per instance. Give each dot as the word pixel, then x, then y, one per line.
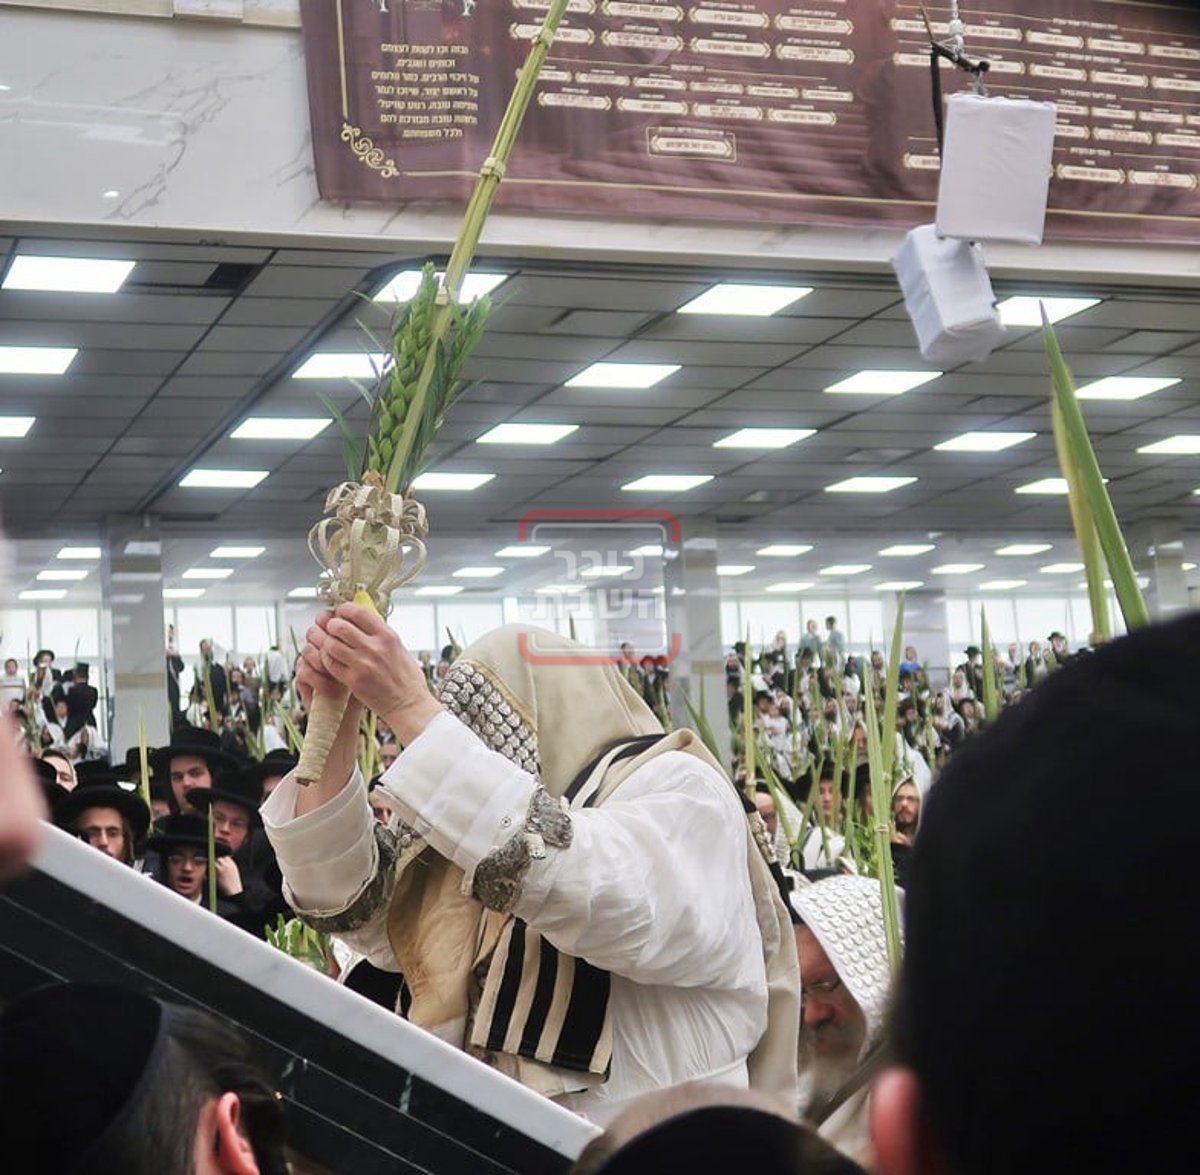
pixel 183 829
pixel 277 762
pixel 242 787
pixel 43 653
pixel 89 769
pixel 54 791
pixel 103 791
pixel 193 740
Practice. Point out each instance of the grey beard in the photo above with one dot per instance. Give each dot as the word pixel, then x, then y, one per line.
pixel 822 1074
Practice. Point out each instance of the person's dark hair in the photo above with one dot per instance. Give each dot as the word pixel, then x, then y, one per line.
pixel 202 1058
pixel 1024 946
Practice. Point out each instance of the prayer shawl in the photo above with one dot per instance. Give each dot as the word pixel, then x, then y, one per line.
pixel 475 972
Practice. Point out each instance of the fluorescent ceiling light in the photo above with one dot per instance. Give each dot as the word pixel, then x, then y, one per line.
pixel 648 551
pixel 1061 568
pixel 622 375
pixel 956 569
pixel 606 571
pixel 36 360
pixel 439 589
pixel 882 383
pixel 792 586
pixel 406 283
pixel 784 550
pixel 478 572
pixel 521 551
pixel 1124 387
pixel 67 275
pixel 64 576
pixel 1000 585
pixel 341 365
pixel 223 479
pixel 744 299
pixel 78 553
pixel 236 552
pixel 559 589
pixel 1176 446
pixel 208 573
pixel 667 483
pixel 845 569
pixel 136 576
pixel 1045 485
pixel 1026 311
pixel 869 485
pixel 732 569
pixel 984 442
pixel 763 438
pixel 302 593
pixel 280 428
pixel 143 547
pixel 183 593
pixel 451 481
pixel 900 585
pixel 15 426
pixel 903 550
pixel 1188 566
pixel 42 594
pixel 526 434
pixel 1024 548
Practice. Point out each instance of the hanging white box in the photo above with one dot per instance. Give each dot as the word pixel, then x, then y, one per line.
pixel 948 296
pixel 995 174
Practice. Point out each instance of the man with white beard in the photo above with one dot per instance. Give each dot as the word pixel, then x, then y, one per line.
pixel 844 984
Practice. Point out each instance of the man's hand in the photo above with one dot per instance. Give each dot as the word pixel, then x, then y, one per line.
pixel 362 651
pixel 229 877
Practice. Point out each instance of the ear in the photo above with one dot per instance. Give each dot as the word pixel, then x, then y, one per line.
pixel 902 1141
pixel 234 1154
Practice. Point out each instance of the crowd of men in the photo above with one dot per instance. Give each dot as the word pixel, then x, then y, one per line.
pixel 1002 880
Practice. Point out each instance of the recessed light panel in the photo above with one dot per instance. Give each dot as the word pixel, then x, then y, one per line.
pixel 845 569
pixel 882 383
pixel 42 594
pixel 64 576
pixel 15 426
pixel 439 589
pixel 790 586
pixel 1000 585
pixel 208 573
pixel 559 589
pixel 904 550
pixel 36 360
pixel 1061 568
pixel 527 434
pixel 521 551
pixel 1027 311
pixel 744 299
pixel 280 428
pixel 67 275
pixel 223 479
pixel 984 442
pixel 763 438
pixel 478 572
pixel 622 375
pixel 900 585
pixel 648 551
pixel 341 365
pixel 956 569
pixel 667 483
pixel 1024 548
pixel 606 571
pixel 869 485
pixel 183 593
pixel 734 569
pixel 784 550
pixel 405 284
pixel 1124 387
pixel 1176 446
pixel 451 481
pixel 302 593
pixel 78 553
pixel 236 552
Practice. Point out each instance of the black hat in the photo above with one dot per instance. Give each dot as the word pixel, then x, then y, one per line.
pixel 277 762
pixel 89 769
pixel 1056 636
pixel 46 1055
pixel 103 791
pixel 183 829
pixel 242 787
pixel 54 791
pixel 43 653
pixel 973 651
pixel 193 740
